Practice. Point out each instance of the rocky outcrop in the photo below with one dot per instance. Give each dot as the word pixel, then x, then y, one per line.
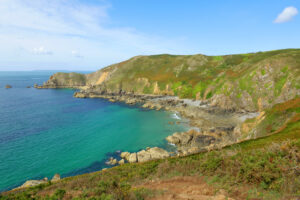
pixel 158 153
pixel 145 155
pixel 8 86
pixel 193 141
pixel 32 183
pixel 112 161
pixel 55 178
pixel 132 158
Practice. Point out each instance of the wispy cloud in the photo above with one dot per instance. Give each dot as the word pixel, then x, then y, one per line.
pixel 64 26
pixel 286 15
pixel 41 51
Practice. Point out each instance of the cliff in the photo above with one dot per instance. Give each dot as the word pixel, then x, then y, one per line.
pixel 249 82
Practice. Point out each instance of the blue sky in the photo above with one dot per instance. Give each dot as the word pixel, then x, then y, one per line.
pixel 90 34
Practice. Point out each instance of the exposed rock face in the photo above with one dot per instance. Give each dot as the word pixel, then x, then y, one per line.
pixel 121 162
pixel 112 161
pixel 125 155
pixel 271 76
pixel 8 86
pixel 55 178
pixel 143 156
pixel 158 153
pixel 146 155
pixel 192 141
pixel 132 158
pixel 31 183
pixel 179 138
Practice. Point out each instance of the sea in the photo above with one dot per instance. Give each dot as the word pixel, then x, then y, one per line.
pixel 48 131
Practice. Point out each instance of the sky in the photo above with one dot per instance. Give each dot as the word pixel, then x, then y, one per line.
pixel 86 35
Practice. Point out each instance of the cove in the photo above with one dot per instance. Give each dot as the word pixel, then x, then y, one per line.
pixel 43 132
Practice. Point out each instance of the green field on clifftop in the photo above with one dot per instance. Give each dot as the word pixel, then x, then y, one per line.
pixel 250 81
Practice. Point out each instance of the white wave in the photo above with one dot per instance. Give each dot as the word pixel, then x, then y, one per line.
pixel 171 144
pixel 175 116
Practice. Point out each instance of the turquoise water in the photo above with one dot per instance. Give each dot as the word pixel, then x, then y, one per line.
pixel 43 132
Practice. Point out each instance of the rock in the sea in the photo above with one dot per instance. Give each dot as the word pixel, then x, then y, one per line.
pixel 130 101
pixel 125 155
pixel 143 156
pixel 112 100
pixel 112 161
pixel 55 178
pixel 8 86
pixel 158 153
pixel 79 95
pixel 28 87
pixel 132 158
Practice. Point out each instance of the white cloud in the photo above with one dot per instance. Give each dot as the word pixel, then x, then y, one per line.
pixel 286 15
pixel 65 26
pixel 41 51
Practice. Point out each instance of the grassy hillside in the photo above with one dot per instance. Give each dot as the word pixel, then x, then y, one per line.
pixel 253 81
pixel 265 168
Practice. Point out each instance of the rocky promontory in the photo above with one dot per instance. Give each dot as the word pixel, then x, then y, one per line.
pixel 145 155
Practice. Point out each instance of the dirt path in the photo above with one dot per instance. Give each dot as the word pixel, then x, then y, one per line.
pixel 185 188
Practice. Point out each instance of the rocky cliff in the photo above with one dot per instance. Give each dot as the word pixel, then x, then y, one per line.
pixel 250 82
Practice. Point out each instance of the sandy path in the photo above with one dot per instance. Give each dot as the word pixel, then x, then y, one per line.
pixel 185 188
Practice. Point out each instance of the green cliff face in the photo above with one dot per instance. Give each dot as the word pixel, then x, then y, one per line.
pixel 251 82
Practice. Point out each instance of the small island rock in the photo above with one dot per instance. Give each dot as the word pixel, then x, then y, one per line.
pixel 8 86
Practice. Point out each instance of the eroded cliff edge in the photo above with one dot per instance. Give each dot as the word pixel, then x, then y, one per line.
pixel 217 93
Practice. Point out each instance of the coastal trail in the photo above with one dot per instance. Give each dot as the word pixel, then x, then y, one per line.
pixel 186 188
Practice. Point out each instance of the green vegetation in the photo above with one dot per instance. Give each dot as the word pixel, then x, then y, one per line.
pixel 187 76
pixel 267 166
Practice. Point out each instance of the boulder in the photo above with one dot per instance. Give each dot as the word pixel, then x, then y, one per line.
pixel 172 139
pixel 158 153
pixel 55 178
pixel 132 158
pixel 79 95
pixel 130 101
pixel 179 138
pixel 8 86
pixel 143 156
pixel 121 162
pixel 184 138
pixel 125 155
pixel 112 161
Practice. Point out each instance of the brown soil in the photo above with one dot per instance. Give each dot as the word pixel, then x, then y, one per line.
pixel 185 188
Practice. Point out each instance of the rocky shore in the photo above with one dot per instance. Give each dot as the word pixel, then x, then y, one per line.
pixel 211 127
pixel 32 183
